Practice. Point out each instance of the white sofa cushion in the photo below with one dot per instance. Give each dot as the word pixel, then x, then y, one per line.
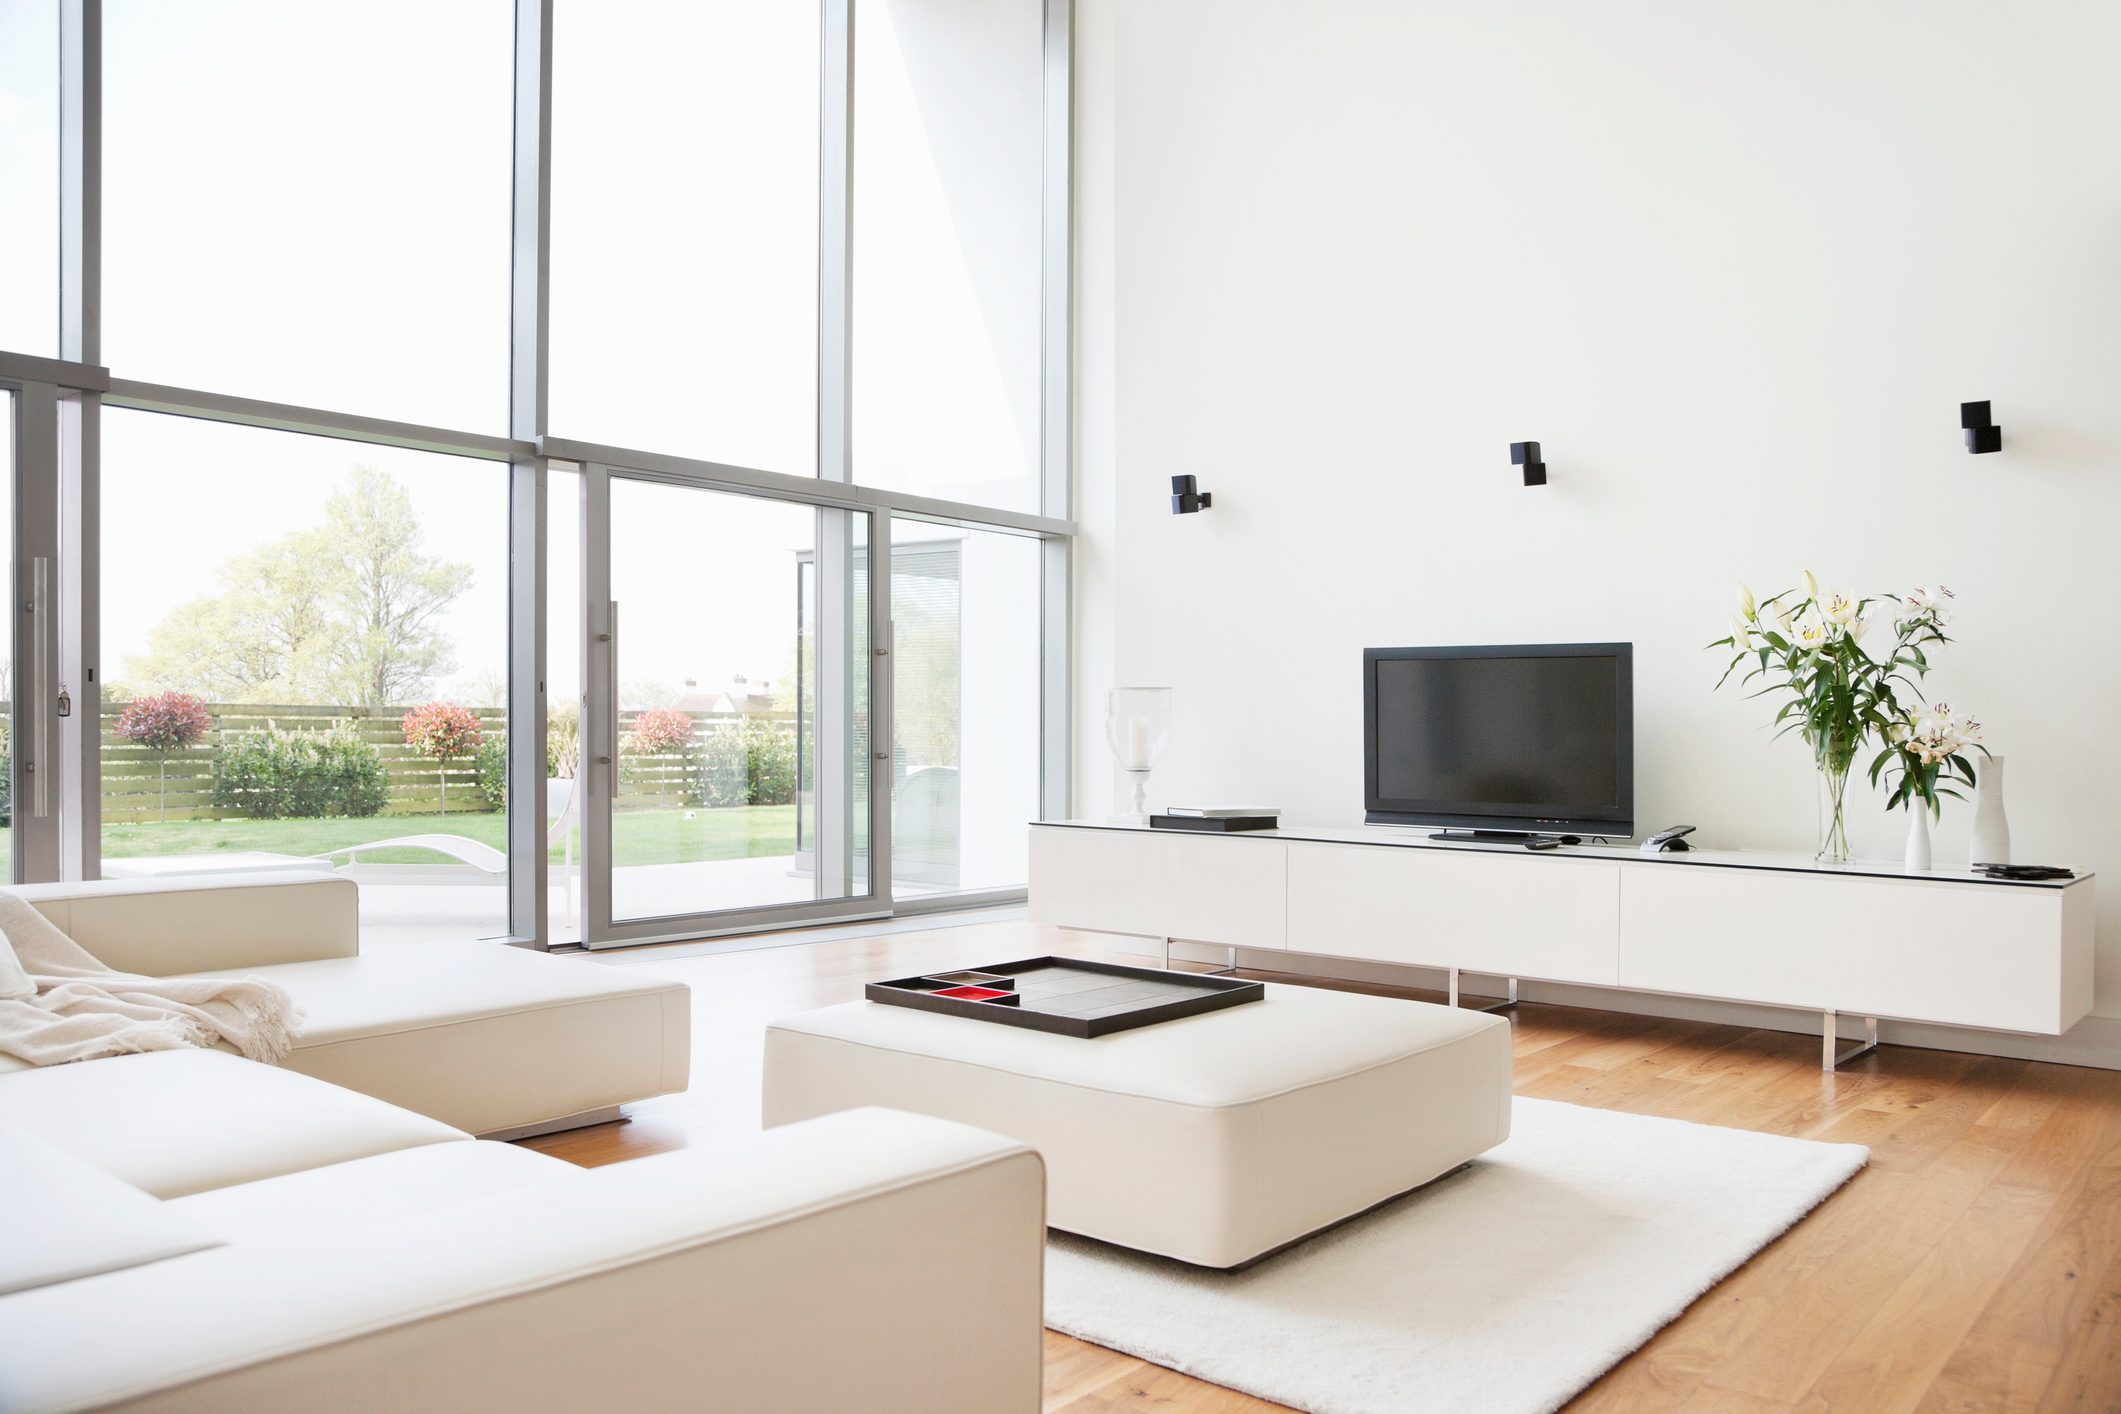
pixel 177 1122
pixel 157 927
pixel 380 1189
pixel 886 1263
pixel 487 1037
pixel 66 1219
pixel 1213 1139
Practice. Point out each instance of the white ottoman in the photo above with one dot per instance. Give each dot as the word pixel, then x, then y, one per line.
pixel 1214 1139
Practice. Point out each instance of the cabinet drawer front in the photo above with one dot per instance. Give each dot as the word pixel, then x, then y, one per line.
pixel 1229 891
pixel 1916 951
pixel 1108 881
pixel 1161 885
pixel 1555 919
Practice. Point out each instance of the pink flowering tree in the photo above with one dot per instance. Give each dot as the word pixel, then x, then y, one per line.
pixel 660 731
pixel 166 722
pixel 443 732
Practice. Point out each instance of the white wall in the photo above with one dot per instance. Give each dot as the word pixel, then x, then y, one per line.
pixel 1735 266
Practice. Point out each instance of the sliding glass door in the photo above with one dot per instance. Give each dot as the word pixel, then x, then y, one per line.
pixel 38 796
pixel 415 566
pixel 726 710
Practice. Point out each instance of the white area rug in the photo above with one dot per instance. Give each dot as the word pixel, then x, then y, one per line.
pixel 1505 1287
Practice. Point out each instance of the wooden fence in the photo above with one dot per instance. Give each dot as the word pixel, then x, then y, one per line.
pixel 142 786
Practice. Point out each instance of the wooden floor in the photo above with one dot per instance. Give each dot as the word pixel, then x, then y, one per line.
pixel 1975 1265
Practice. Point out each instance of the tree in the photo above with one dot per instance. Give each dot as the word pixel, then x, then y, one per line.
pixel 166 722
pixel 341 613
pixel 442 732
pixel 385 593
pixel 264 638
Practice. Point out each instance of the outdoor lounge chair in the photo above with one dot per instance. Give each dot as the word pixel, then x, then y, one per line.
pixel 562 809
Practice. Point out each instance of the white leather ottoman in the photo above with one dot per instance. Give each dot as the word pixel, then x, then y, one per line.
pixel 1214 1139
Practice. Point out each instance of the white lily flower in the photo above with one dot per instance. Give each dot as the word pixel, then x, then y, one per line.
pixel 1859 626
pixel 1811 631
pixel 1742 639
pixel 1838 608
pixel 1811 586
pixel 1783 617
pixel 1746 607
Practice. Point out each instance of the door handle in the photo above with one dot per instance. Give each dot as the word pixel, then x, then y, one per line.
pixel 611 659
pixel 40 613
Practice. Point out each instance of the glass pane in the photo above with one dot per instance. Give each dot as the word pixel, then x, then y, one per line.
pixel 29 176
pixel 727 758
pixel 306 649
pixel 965 703
pixel 563 702
pixel 685 229
pixel 310 203
pixel 947 215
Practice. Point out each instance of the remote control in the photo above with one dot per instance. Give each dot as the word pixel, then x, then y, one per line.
pixel 1669 841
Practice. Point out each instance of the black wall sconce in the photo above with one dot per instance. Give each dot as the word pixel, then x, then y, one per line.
pixel 1982 433
pixel 1186 497
pixel 1526 455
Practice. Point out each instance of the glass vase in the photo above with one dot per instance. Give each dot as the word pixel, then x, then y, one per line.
pixel 1137 728
pixel 1833 817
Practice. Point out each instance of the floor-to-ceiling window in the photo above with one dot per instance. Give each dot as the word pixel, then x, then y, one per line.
pixel 459 437
pixel 305 644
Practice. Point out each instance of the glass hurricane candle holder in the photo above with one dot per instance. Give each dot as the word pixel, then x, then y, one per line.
pixel 1137 727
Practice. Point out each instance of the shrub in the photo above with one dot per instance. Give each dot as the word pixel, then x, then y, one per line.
pixel 165 722
pixel 751 764
pixel 168 721
pixel 656 735
pixel 660 731
pixel 442 731
pixel 493 771
pixel 278 775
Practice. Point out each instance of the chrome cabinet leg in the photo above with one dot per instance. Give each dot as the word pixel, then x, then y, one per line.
pixel 1212 972
pixel 1506 1005
pixel 1831 1056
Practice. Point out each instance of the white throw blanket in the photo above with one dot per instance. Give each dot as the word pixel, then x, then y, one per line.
pixel 58 1003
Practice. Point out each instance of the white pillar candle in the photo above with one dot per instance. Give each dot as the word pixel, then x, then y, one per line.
pixel 1137 754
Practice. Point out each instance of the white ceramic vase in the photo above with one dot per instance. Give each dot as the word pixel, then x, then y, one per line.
pixel 1991 843
pixel 1918 835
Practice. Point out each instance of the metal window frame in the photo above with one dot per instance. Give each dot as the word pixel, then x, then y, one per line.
pixel 58 462
pixel 530 277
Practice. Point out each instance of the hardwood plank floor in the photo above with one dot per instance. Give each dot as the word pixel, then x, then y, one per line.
pixel 1975 1265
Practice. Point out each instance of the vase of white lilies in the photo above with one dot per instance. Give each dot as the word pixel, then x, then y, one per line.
pixel 1807 644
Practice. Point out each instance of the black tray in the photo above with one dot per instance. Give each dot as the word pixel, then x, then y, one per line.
pixel 1056 994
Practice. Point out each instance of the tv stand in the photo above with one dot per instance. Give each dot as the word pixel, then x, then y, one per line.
pixel 1944 946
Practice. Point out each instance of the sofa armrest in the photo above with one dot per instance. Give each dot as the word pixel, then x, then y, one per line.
pixel 159 927
pixel 870 1260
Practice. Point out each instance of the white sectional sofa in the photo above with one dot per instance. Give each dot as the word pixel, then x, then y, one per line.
pixel 189 1230
pixel 487 1038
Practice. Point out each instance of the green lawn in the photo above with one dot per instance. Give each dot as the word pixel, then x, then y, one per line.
pixel 639 836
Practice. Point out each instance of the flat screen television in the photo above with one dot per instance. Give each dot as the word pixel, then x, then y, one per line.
pixel 1525 740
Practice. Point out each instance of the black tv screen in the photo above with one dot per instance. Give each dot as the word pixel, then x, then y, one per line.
pixel 1528 739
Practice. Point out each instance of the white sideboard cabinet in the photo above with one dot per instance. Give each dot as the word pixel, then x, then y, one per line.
pixel 1942 945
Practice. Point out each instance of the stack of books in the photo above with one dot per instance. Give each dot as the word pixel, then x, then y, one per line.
pixel 1218 819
